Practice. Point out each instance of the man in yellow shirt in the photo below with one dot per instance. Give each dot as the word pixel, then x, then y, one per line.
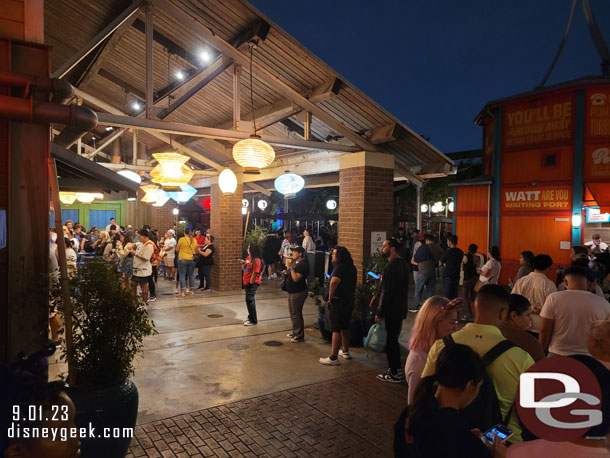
pixel 490 308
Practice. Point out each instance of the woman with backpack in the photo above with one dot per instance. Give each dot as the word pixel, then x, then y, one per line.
pixel 431 427
pixel 435 320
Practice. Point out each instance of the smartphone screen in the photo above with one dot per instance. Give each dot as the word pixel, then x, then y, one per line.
pixel 499 430
pixel 326 275
pixel 374 275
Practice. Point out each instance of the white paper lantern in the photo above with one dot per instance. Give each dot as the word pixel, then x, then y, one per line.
pixel 331 204
pixel 244 203
pixel 424 208
pixel 262 204
pixel 130 175
pixel 289 184
pixel 227 181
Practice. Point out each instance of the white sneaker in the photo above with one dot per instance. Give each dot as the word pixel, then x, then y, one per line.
pixel 249 323
pixel 345 354
pixel 329 362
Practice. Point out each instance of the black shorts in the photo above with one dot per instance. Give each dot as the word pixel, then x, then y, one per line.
pixel 140 280
pixel 340 316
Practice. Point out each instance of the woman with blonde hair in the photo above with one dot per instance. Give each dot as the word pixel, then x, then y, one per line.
pixel 435 320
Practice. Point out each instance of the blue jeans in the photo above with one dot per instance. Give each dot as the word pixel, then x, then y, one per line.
pixel 421 282
pixel 204 273
pixel 450 287
pixel 186 269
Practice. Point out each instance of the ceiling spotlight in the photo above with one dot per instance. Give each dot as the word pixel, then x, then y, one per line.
pixel 131 199
pixel 93 137
pixel 109 129
pixel 204 56
pixel 137 106
pixel 180 75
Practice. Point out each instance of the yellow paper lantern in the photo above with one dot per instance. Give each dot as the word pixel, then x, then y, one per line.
pixel 253 154
pixel 85 197
pixel 171 172
pixel 227 181
pixel 98 196
pixel 151 193
pixel 67 198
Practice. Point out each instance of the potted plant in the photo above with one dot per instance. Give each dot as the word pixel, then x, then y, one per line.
pixel 108 327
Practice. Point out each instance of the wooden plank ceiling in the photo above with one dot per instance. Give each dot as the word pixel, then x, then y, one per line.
pixel 70 24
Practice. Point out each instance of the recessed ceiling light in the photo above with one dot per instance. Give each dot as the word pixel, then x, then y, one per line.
pixel 204 56
pixel 93 137
pixel 180 75
pixel 136 105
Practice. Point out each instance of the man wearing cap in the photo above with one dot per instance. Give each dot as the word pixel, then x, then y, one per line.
pixel 169 247
pixel 296 286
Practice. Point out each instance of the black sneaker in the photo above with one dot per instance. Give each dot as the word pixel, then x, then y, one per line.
pixel 389 377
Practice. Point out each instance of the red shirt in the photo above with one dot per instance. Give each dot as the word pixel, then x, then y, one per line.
pixel 200 240
pixel 252 266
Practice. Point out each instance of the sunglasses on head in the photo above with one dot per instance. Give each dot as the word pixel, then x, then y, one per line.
pixel 452 304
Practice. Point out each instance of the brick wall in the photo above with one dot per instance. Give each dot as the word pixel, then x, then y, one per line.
pixel 226 222
pixel 162 218
pixel 366 204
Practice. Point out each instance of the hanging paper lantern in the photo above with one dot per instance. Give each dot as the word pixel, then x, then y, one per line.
pixel 253 154
pixel 133 176
pixel 98 196
pixel 85 197
pixel 162 198
pixel 227 181
pixel 67 198
pixel 151 193
pixel 262 204
pixel 331 204
pixel 289 184
pixel 244 211
pixel 184 195
pixel 171 172
pixel 244 203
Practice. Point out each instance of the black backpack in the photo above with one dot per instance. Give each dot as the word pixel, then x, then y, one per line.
pixel 484 412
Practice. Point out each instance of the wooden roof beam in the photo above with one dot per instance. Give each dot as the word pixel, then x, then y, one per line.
pixel 192 24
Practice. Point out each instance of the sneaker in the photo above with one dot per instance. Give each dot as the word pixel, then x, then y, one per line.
pixel 152 299
pixel 329 362
pixel 191 293
pixel 295 340
pixel 345 354
pixel 413 310
pixel 273 276
pixel 249 323
pixel 290 335
pixel 388 377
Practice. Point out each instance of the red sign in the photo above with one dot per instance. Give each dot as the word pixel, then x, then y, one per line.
pixel 538 122
pixel 598 112
pixel 597 162
pixel 537 198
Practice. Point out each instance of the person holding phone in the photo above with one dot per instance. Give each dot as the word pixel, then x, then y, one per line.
pixel 252 267
pixel 434 412
pixel 296 286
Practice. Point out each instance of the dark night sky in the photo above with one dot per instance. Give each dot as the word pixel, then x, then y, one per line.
pixel 435 63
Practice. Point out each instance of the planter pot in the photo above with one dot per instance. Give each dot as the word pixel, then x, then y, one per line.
pixel 326 335
pixel 356 333
pixel 113 406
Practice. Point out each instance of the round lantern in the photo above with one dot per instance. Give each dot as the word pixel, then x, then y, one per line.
pixel 244 203
pixel 227 181
pixel 171 172
pixel 438 207
pixel 262 204
pixel 133 176
pixel 451 206
pixel 331 204
pixel 151 193
pixel 253 154
pixel 244 211
pixel 289 184
pixel 184 195
pixel 67 198
pixel 162 198
pixel 85 197
pixel 424 208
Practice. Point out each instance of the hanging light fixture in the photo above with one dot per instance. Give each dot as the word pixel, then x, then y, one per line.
pixel 67 198
pixel 151 193
pixel 85 197
pixel 171 172
pixel 98 196
pixel 262 204
pixel 252 153
pixel 331 204
pixel 130 175
pixel 184 195
pixel 227 181
pixel 289 184
pixel 162 198
pixel 244 203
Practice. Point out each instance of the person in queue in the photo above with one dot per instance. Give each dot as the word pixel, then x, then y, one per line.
pixel 187 248
pixel 169 249
pixel 206 262
pixel 526 266
pixel 392 308
pixel 142 268
pixel 252 268
pixel 435 320
pixel 433 427
pixel 490 309
pixel 490 272
pixel 296 287
pixel 340 303
pixel 517 324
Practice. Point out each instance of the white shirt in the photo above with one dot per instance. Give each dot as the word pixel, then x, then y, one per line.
pixel 535 287
pixel 169 245
pixel 603 246
pixel 143 268
pixel 416 361
pixel 108 227
pixel 309 245
pixel 494 267
pixel 573 312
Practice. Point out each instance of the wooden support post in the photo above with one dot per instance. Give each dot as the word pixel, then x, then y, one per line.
pixel 307 126
pixel 135 147
pixel 63 268
pixel 149 61
pixel 236 96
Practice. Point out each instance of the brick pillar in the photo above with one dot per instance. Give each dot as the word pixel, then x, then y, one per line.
pixel 162 218
pixel 226 223
pixel 366 202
